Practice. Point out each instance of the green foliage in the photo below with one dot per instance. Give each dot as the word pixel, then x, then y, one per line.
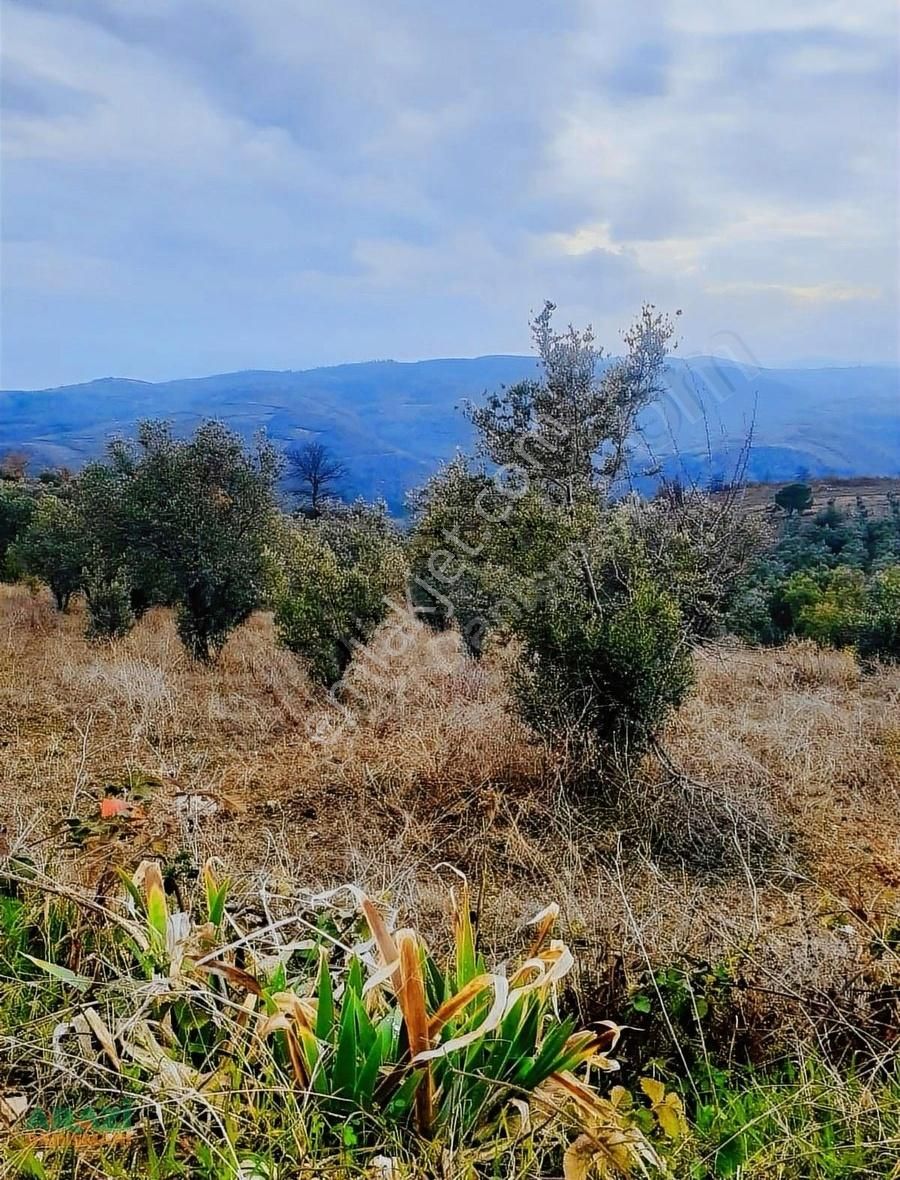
pixel 570 430
pixel 539 552
pixel 183 523
pixel 480 547
pixel 829 579
pixel 17 505
pixel 832 615
pixel 794 497
pixel 143 1054
pixel 605 676
pixel 53 547
pixel 110 613
pixel 333 580
pixel 697 547
pixel 878 632
pixel 797 1121
pixel 334 1053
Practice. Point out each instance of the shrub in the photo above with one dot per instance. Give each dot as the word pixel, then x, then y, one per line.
pixel 476 546
pixel 110 614
pixel 333 582
pixel 833 618
pixel 604 677
pixel 794 497
pixel 878 635
pixel 17 504
pixel 750 617
pixel 697 546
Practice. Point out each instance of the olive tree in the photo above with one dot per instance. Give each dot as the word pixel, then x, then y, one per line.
pixel 53 548
pixel 571 431
pixel 333 581
pixel 604 651
pixel 184 523
pixel 17 505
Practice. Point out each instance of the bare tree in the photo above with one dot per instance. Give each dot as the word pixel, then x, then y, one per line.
pixel 315 473
pixel 14 466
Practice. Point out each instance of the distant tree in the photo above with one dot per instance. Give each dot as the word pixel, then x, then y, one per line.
pixel 14 466
pixel 316 475
pixel 55 477
pixel 53 548
pixel 794 497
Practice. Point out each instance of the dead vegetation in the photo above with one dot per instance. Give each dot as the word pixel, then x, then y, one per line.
pixel 423 764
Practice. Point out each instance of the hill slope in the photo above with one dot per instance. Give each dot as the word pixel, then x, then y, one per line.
pixel 393 422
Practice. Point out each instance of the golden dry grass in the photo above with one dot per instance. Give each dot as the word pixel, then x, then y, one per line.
pixel 426 765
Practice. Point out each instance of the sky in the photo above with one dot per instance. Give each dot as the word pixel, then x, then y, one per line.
pixel 199 186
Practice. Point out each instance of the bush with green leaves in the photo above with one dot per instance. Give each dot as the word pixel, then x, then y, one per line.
pixel 184 523
pixel 878 632
pixel 833 616
pixel 17 504
pixel 794 497
pixel 603 677
pixel 53 547
pixel 817 580
pixel 333 580
pixel 110 611
pixel 478 546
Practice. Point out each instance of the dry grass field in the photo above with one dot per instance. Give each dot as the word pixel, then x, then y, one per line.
pixel 873 490
pixel 775 851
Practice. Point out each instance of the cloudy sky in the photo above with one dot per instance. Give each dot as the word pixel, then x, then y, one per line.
pixel 194 186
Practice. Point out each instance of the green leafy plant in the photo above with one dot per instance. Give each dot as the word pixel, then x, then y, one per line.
pixel 375 1042
pixel 333 578
pixel 794 497
pixel 53 549
pixel 603 674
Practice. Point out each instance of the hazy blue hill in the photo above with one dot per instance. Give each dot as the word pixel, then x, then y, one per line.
pixel 393 422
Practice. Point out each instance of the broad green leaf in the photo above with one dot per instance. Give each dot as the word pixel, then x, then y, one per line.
pixel 63 974
pixel 157 917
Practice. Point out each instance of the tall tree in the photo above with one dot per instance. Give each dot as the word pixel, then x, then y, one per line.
pixel 570 431
pixel 316 475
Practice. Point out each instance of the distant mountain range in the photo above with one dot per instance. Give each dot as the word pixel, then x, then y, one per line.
pixel 392 422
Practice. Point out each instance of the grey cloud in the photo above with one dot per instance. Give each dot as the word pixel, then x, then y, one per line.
pixel 286 182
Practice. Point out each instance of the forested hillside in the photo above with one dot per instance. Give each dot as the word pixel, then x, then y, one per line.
pixel 392 422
